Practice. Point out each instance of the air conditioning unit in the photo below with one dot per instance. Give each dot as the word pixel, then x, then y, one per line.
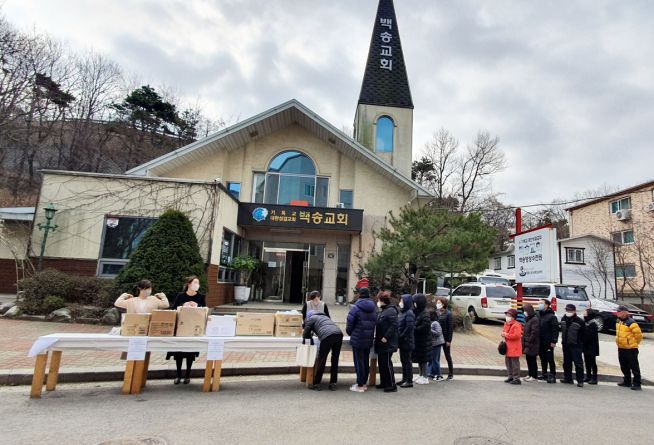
pixel 340 205
pixel 650 207
pixel 623 215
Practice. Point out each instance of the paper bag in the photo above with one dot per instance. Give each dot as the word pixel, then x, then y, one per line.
pixel 305 355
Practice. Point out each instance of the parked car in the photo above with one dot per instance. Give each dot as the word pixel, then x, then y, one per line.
pixel 608 315
pixel 443 291
pixel 483 301
pixel 559 296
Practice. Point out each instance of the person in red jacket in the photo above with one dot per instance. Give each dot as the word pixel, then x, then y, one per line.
pixel 512 335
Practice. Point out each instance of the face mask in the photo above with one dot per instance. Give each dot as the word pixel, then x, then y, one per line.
pixel 147 293
pixel 195 287
pixel 541 307
pixel 508 319
pixel 439 306
pixel 379 304
pixel 401 305
pixel 569 314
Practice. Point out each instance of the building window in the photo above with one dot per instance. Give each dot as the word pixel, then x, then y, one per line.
pixel 234 189
pixel 291 178
pixel 574 255
pixel 498 263
pixel 511 261
pixel 345 198
pixel 624 237
pixel 384 136
pixel 625 271
pixel 620 204
pixel 120 236
pixel 231 247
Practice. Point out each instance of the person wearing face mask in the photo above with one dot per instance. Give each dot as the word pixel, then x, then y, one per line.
pixel 591 345
pixel 407 324
pixel 628 337
pixel 360 326
pixel 189 297
pixel 549 336
pixel 572 340
pixel 314 303
pixel 437 342
pixel 446 321
pixel 531 342
pixel 423 352
pixel 386 341
pixel 512 335
pixel 144 302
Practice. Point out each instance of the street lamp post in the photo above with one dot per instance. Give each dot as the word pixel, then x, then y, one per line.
pixel 49 215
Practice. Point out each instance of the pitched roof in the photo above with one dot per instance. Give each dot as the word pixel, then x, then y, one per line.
pixel 612 195
pixel 288 113
pixel 382 86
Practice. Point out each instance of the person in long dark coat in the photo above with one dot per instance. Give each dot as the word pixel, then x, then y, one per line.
pixel 386 341
pixel 591 346
pixel 407 324
pixel 446 321
pixel 423 352
pixel 189 297
pixel 531 342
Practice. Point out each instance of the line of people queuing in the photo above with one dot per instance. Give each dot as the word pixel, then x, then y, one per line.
pixel 579 340
pixel 421 335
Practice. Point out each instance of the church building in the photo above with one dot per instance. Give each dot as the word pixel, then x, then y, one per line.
pixel 284 186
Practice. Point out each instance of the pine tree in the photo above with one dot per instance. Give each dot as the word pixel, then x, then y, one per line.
pixel 167 254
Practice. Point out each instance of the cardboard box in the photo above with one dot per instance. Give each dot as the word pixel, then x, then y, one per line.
pixel 135 325
pixel 286 319
pixel 288 331
pixel 191 321
pixel 250 323
pixel 221 326
pixel 162 323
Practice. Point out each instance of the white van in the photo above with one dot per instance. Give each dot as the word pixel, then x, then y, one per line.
pixel 559 296
pixel 483 301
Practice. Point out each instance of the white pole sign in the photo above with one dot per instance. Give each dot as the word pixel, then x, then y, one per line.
pixel 536 257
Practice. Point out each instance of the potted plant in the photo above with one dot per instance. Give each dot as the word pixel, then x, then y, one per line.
pixel 245 265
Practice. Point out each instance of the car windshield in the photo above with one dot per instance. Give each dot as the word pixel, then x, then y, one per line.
pixel 536 291
pixel 571 293
pixel 493 280
pixel 499 292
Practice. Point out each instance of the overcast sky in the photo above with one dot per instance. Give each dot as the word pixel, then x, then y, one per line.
pixel 568 86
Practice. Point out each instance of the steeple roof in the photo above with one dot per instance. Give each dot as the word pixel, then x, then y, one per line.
pixel 385 81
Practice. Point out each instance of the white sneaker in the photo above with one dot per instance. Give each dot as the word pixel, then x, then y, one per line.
pixel 529 379
pixel 356 388
pixel 422 381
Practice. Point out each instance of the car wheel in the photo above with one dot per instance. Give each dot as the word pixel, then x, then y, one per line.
pixel 600 323
pixel 473 315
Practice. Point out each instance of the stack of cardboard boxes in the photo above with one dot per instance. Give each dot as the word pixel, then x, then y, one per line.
pixel 288 324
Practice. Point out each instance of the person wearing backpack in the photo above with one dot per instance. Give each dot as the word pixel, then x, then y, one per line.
pixel 437 342
pixel 407 324
pixel 512 335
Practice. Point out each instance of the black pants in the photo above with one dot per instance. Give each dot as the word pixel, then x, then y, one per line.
pixel 179 360
pixel 546 355
pixel 407 365
pixel 629 365
pixel 532 365
pixel 448 356
pixel 572 355
pixel 386 372
pixel 591 366
pixel 361 364
pixel 332 343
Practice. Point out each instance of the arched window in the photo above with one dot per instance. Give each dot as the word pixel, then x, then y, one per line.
pixel 384 136
pixel 291 179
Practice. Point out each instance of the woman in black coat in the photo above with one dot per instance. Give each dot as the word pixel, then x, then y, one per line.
pixel 189 297
pixel 386 341
pixel 423 351
pixel 591 346
pixel 531 342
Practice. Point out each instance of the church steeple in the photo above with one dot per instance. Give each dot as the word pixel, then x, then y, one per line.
pixel 384 117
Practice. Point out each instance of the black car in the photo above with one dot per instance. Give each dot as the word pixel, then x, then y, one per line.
pixel 608 315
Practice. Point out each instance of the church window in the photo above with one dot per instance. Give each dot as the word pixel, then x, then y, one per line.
pixel 384 137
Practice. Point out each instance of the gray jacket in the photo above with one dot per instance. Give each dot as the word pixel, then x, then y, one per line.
pixel 321 325
pixel 437 337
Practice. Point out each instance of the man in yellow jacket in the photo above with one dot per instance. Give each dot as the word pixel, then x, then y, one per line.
pixel 628 336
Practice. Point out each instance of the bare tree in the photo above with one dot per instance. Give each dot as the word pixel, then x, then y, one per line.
pixel 640 255
pixel 441 153
pixel 597 270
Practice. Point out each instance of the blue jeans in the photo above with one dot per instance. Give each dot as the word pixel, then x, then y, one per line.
pixel 435 365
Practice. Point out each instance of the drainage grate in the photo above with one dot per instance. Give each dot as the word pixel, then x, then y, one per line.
pixel 479 440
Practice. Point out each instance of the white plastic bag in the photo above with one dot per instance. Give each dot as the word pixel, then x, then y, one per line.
pixel 305 355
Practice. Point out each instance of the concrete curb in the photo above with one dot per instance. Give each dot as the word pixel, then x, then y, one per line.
pixel 24 377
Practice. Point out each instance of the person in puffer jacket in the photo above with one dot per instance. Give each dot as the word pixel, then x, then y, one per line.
pixel 437 342
pixel 591 345
pixel 407 324
pixel 331 339
pixel 360 327
pixel 572 340
pixel 423 352
pixel 628 337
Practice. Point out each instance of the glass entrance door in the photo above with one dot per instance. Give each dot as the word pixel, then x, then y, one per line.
pixel 291 271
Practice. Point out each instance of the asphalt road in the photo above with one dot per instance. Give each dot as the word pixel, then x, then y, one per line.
pixel 279 410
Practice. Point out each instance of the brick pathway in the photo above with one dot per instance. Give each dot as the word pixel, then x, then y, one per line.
pixel 470 350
